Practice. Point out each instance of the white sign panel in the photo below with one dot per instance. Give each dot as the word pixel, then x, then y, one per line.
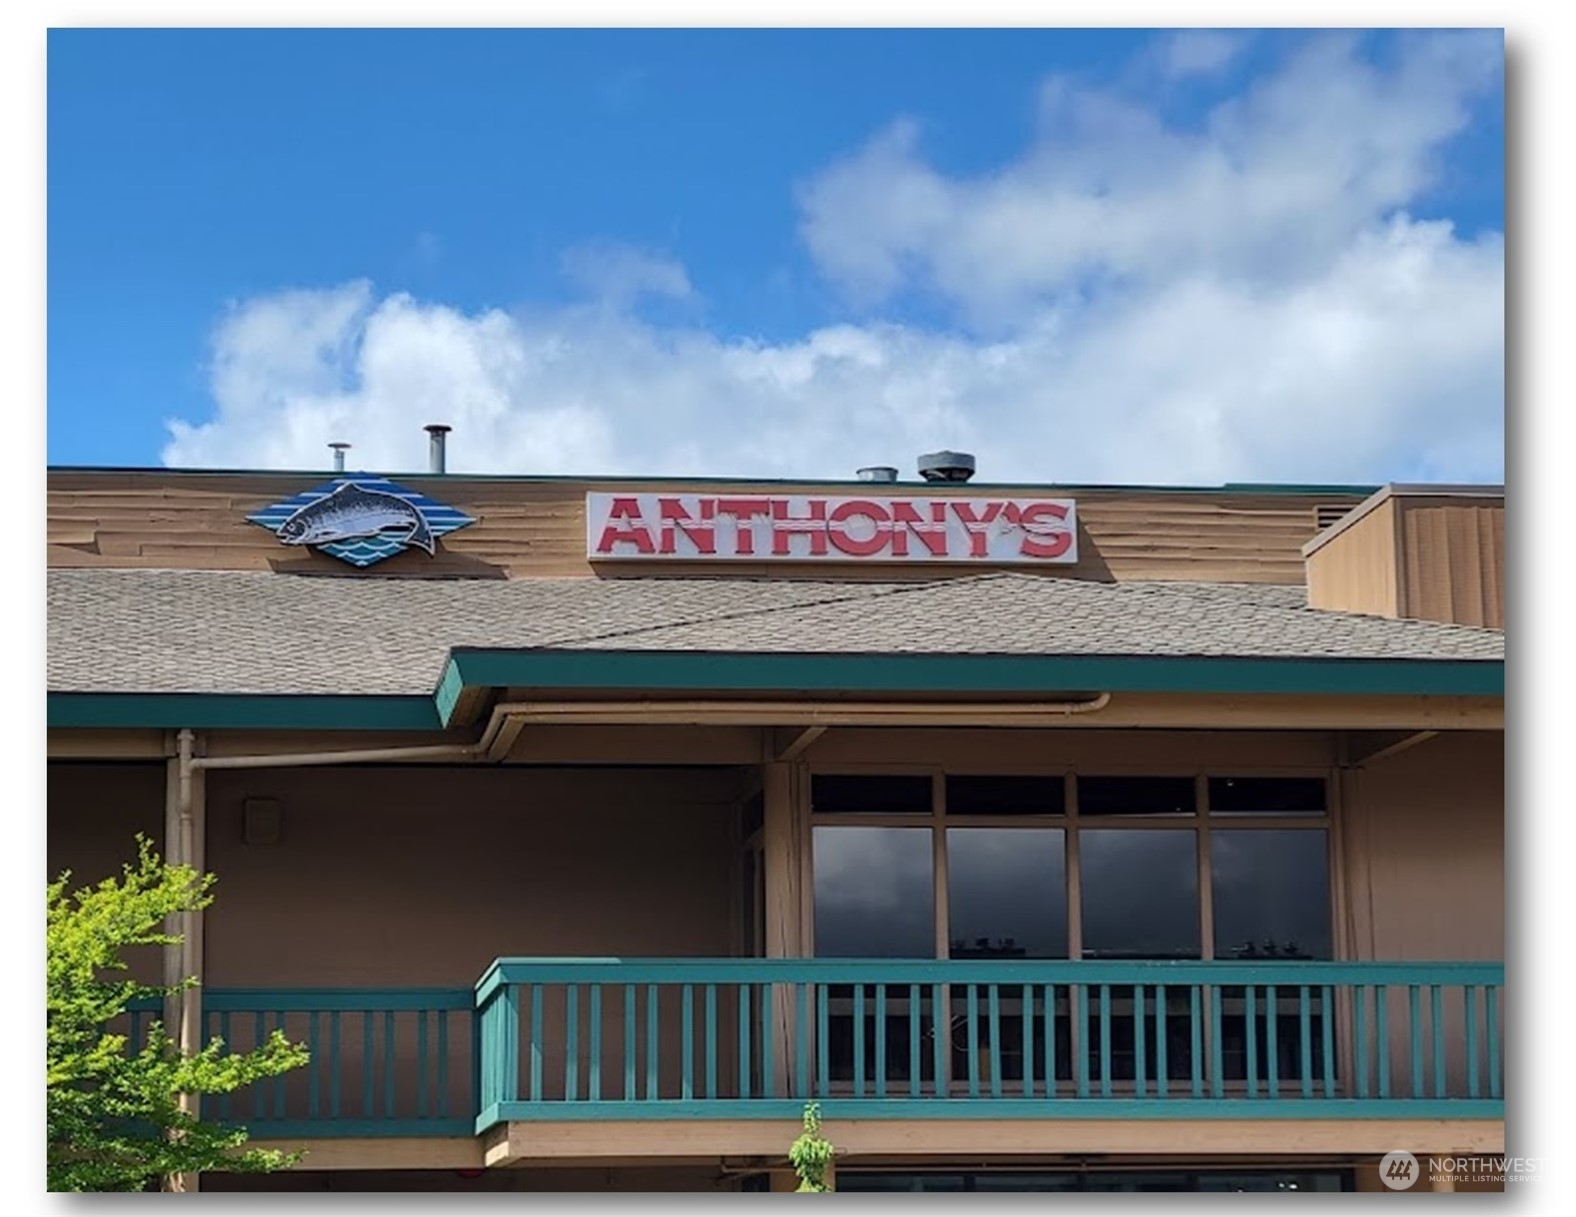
pixel 828 528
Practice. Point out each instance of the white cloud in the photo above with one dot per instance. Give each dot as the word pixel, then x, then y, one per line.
pixel 1248 302
pixel 1200 52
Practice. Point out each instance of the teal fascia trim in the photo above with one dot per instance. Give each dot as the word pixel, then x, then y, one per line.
pixel 736 672
pixel 1000 1109
pixel 282 712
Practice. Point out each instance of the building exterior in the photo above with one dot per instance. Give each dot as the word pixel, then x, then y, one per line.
pixel 1052 838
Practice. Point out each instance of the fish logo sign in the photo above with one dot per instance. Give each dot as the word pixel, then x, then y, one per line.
pixel 361 519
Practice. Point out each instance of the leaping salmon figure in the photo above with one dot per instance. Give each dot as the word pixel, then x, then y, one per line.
pixel 351 512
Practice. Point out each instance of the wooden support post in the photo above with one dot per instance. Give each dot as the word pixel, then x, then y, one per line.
pixel 784 840
pixel 184 845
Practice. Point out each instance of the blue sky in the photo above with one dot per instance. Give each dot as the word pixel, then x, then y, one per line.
pixel 1084 255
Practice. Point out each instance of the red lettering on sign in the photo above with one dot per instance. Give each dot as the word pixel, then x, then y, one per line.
pixel 976 525
pixel 784 526
pixel 860 547
pixel 675 519
pixel 1042 539
pixel 636 533
pixel 932 533
pixel 744 511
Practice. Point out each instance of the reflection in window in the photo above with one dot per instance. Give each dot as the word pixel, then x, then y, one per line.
pixel 874 892
pixel 1140 893
pixel 1271 892
pixel 1006 893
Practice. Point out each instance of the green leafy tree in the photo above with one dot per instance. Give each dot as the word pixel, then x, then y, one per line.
pixel 812 1154
pixel 115 1119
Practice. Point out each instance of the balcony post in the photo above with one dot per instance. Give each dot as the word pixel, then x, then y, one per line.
pixel 785 856
pixel 185 817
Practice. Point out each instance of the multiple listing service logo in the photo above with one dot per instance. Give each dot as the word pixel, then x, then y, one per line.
pixel 361 519
pixel 1398 1169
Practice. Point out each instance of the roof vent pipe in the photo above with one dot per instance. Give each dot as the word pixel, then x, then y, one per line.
pixel 339 446
pixel 946 466
pixel 877 473
pixel 437 460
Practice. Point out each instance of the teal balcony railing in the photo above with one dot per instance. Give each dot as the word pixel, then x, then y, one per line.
pixel 653 1039
pixel 595 1039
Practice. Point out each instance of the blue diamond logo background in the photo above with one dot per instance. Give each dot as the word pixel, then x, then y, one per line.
pixel 363 551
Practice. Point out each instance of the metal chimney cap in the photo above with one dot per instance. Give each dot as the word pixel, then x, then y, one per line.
pixel 877 473
pixel 946 466
pixel 438 428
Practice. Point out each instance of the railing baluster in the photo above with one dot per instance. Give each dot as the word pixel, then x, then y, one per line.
pixel 1305 1041
pixel 224 1034
pixel 687 1044
pixel 744 1040
pixel 974 1042
pixel 1415 1026
pixel 1080 1034
pixel 629 1043
pixel 940 1040
pixel 1196 1041
pixel 279 1079
pixel 801 1029
pixel 768 1006
pixel 443 1064
pixel 913 1041
pixel 823 1040
pixel 711 1041
pixel 388 1063
pixel 1360 1034
pixel 881 1044
pixel 1469 998
pixel 538 1061
pixel 1251 1022
pixel 652 1004
pixel 259 1035
pixel 1161 1070
pixel 1105 1041
pixel 1271 1045
pixel 859 1041
pixel 571 1043
pixel 314 1067
pixel 994 1028
pixel 1050 1041
pixel 1327 1027
pixel 333 1063
pixel 1491 1029
pixel 1027 998
pixel 1382 1025
pixel 1140 1062
pixel 421 1063
pixel 1436 1026
pixel 594 1059
pixel 1216 1048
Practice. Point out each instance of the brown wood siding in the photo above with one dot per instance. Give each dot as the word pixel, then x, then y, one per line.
pixel 1454 561
pixel 1355 571
pixel 537 529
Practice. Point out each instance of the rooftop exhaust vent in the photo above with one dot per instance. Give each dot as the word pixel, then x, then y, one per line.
pixel 437 457
pixel 340 447
pixel 946 466
pixel 877 473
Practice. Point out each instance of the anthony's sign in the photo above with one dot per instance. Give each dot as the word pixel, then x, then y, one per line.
pixel 825 528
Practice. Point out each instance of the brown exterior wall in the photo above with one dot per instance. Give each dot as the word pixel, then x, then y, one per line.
pixel 1355 572
pixel 1454 561
pixel 525 528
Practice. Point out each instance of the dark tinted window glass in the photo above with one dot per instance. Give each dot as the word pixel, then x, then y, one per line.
pixel 1266 796
pixel 1007 893
pixel 969 794
pixel 1136 796
pixel 1272 893
pixel 1140 893
pixel 874 892
pixel 879 792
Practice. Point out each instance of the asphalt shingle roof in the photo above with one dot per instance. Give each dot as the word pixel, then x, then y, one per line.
pixel 158 631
